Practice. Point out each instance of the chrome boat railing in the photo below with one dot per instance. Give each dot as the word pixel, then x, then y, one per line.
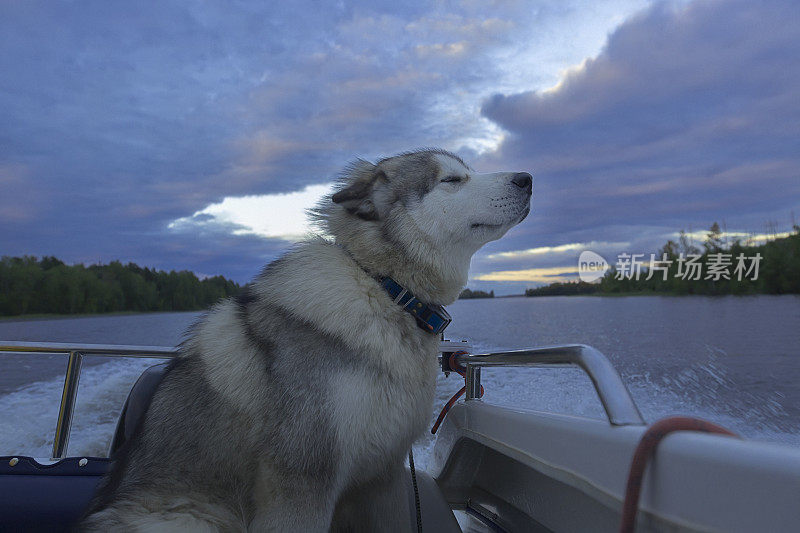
pixel 616 399
pixel 75 354
pixel 617 402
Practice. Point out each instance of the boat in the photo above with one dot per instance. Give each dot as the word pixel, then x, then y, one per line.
pixel 511 469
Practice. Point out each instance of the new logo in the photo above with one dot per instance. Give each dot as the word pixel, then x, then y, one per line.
pixel 591 266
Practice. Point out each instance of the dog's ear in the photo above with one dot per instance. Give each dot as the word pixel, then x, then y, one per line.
pixel 357 197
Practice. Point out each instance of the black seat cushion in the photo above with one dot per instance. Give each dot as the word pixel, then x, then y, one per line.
pixel 137 403
pixel 36 497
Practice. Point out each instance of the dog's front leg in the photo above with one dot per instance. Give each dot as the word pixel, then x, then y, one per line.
pixel 309 515
pixel 289 503
pixel 381 505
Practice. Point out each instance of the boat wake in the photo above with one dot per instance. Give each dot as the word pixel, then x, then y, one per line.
pixel 30 413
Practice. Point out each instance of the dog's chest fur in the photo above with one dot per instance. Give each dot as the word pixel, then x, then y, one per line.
pixel 380 407
pixel 378 382
pixel 378 417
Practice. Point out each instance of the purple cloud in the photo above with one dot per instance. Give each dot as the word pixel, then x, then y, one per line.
pixel 688 115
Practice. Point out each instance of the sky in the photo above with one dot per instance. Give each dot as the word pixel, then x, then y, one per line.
pixel 193 135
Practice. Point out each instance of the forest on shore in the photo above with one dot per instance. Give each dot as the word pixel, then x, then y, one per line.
pixel 43 286
pixel 469 294
pixel 777 270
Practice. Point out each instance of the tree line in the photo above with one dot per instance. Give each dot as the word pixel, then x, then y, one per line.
pixel 566 288
pixel 778 269
pixel 468 294
pixel 29 285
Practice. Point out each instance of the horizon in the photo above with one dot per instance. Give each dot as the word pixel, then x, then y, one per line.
pixel 195 137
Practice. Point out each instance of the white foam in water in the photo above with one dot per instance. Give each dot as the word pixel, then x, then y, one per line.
pixel 30 413
pixel 101 395
pixel 29 419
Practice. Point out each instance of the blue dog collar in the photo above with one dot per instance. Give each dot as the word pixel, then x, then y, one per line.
pixel 432 318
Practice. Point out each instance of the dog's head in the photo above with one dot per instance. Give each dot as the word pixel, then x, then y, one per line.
pixel 427 207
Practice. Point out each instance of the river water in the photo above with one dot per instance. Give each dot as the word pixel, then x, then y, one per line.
pixel 733 360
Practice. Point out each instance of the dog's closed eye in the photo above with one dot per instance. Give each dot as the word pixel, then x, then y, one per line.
pixel 452 179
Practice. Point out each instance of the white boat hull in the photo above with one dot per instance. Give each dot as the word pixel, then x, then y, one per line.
pixel 528 471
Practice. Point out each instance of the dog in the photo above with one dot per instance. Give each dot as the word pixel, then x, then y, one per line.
pixel 292 406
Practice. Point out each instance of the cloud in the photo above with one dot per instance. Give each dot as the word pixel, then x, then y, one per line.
pixel 561 248
pixel 272 216
pixel 750 239
pixel 538 275
pixel 688 115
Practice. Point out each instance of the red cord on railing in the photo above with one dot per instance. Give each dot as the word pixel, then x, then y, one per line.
pixel 646 449
pixel 461 371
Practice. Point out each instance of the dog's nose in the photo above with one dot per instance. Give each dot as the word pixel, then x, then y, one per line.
pixel 523 180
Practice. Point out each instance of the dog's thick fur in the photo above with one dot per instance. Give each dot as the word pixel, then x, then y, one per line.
pixel 292 407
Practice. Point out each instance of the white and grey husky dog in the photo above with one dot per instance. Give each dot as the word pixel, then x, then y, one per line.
pixel 292 406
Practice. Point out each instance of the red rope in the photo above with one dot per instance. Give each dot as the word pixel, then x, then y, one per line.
pixel 646 449
pixel 461 371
